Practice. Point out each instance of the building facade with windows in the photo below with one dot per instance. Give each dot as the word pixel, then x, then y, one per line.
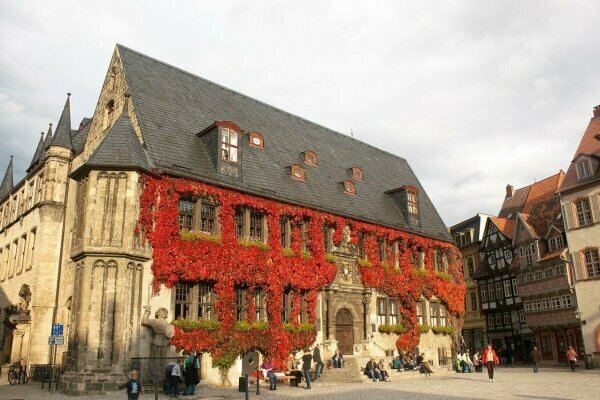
pixel 252 228
pixel 468 237
pixel 580 199
pixel 545 280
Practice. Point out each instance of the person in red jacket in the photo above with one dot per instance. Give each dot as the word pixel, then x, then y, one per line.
pixel 490 359
pixel 572 357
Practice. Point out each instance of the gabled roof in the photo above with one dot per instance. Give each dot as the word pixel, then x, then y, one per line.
pixel 172 105
pixel 588 146
pixel 504 225
pixel 119 148
pixel 524 198
pixel 7 181
pixel 62 136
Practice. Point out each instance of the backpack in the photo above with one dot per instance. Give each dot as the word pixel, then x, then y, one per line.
pixel 169 370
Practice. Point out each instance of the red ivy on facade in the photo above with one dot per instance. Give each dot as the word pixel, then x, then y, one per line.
pixel 228 264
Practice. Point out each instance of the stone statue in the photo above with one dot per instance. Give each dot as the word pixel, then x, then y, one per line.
pixel 23 306
pixel 162 331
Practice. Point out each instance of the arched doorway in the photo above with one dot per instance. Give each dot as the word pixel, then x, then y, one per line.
pixel 344 332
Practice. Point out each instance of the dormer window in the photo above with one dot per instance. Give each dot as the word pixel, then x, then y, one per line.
pixel 310 158
pixel 297 172
pixel 357 173
pixel 229 145
pixel 256 140
pixel 583 168
pixel 412 201
pixel 349 187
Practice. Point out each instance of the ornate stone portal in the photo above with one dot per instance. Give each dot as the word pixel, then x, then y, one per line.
pixel 346 303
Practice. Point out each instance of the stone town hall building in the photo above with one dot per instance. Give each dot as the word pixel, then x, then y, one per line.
pixel 73 249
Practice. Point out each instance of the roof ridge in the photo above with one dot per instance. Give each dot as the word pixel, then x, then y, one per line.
pixel 257 101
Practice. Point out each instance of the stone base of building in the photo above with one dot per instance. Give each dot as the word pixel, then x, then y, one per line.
pixel 93 382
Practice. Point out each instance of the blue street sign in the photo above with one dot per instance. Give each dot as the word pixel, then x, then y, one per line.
pixel 57 330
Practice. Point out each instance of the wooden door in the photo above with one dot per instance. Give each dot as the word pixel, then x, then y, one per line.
pixel 344 331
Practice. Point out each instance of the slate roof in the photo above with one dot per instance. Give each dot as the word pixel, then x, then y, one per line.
pixel 7 181
pixel 172 106
pixel 39 153
pixel 120 147
pixel 79 137
pixel 62 136
pixel 589 146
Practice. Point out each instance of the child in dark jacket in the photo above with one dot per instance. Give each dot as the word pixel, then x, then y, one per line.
pixel 133 385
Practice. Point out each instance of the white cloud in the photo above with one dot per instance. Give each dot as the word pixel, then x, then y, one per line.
pixel 473 95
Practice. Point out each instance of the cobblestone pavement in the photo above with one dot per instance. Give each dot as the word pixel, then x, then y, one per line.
pixel 510 383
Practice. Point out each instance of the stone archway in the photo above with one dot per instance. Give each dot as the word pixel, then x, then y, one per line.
pixel 344 331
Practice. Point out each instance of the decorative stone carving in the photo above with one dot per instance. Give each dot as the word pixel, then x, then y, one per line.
pixel 23 306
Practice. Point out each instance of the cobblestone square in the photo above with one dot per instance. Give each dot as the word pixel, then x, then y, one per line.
pixel 510 383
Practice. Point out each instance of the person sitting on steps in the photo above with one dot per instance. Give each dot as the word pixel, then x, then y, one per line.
pixel 372 370
pixel 423 365
pixel 337 359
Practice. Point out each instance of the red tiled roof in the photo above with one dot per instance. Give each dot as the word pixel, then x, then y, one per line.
pixel 506 226
pixel 525 198
pixel 588 146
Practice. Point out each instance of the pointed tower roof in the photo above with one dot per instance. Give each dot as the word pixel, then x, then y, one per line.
pixel 119 148
pixel 62 136
pixel 39 153
pixel 48 139
pixel 7 182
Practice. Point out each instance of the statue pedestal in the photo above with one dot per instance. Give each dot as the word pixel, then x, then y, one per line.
pixel 91 382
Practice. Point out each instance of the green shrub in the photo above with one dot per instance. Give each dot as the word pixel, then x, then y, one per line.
pixel 443 275
pixel 442 330
pixel 330 257
pixel 287 252
pixel 363 262
pixel 254 243
pixel 424 328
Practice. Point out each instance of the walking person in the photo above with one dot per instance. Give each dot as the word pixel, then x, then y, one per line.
pixel 490 359
pixel 572 357
pixel 536 358
pixel 133 385
pixel 318 361
pixel 306 361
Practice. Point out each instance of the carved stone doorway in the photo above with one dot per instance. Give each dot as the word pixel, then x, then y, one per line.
pixel 344 331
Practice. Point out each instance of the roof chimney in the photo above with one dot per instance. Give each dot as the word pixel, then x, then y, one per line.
pixel 597 111
pixel 510 191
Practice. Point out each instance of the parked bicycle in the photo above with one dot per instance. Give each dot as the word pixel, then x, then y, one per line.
pixel 17 374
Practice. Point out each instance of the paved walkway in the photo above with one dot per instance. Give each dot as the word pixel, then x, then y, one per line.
pixel 510 383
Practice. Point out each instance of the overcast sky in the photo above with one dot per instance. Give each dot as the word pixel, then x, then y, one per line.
pixel 474 94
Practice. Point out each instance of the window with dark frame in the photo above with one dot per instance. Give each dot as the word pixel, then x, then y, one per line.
pixel 434 312
pixel 286 306
pixel 361 245
pixel 420 309
pixel 260 313
pixel 183 300
pixel 442 316
pixel 196 301
pixel 393 312
pixel 304 308
pixel 186 215
pixel 304 232
pixel 285 234
pixel 208 215
pixel 381 311
pixel 382 250
pixel 256 225
pixel 473 296
pixel 240 304
pixel 327 238
pixel 239 223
